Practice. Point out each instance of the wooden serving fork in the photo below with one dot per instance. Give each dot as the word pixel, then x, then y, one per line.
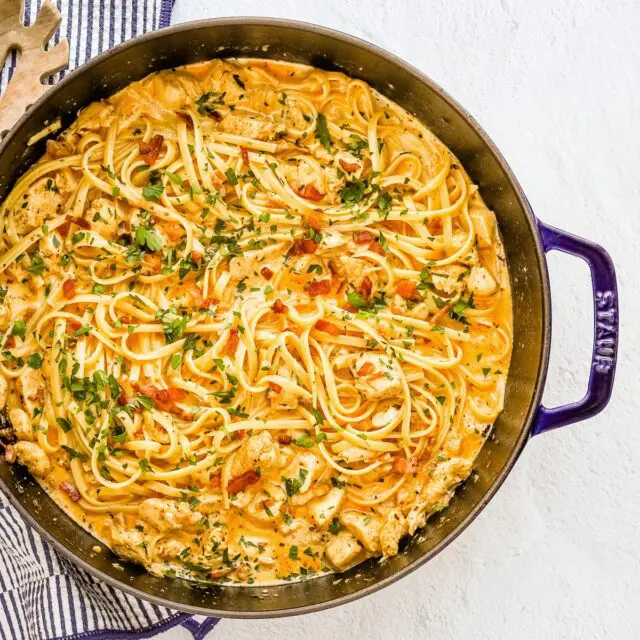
pixel 34 64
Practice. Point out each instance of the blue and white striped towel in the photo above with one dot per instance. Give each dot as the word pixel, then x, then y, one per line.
pixel 42 595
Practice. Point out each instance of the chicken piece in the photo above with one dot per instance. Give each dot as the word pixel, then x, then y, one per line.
pixel 32 457
pixel 392 530
pixel 21 424
pixel 102 215
pixel 4 391
pixel 353 270
pixel 98 115
pixel 167 515
pixel 310 463
pixel 449 278
pixel 249 266
pixel 129 544
pixel 484 224
pixel 40 203
pixel 67 181
pixel 436 491
pixel 313 492
pixel 266 509
pixel 481 282
pixel 365 527
pixel 351 453
pixel 322 510
pixel 257 451
pixel 377 376
pixel 281 397
pixel 249 126
pixel 175 89
pixel 333 243
pixel 342 550
pixel 32 387
pixel 169 548
pixel 219 79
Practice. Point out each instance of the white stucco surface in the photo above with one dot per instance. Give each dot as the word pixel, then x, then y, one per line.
pixel 557 87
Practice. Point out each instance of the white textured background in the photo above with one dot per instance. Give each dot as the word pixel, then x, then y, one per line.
pixel 556 84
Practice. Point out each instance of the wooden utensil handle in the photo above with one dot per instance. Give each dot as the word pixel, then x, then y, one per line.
pixel 34 63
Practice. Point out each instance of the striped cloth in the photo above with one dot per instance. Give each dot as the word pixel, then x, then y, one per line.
pixel 42 595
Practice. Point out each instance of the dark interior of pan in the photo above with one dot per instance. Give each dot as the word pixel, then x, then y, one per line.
pixel 327 50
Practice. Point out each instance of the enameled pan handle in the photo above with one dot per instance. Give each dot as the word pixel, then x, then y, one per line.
pixel 605 341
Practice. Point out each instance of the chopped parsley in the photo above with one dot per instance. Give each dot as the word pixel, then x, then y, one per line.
pixel 147 240
pixel 35 360
pixel 322 131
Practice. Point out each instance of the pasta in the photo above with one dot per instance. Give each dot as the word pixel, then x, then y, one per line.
pixel 256 322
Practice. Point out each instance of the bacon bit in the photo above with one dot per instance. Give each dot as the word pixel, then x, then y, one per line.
pixel 245 156
pixel 125 319
pixel 10 454
pixel 122 399
pixel 309 192
pixel 69 289
pixel 165 398
pixel 241 482
pixel 275 387
pixel 377 248
pixel 316 221
pixel 266 273
pixel 362 237
pixel 279 306
pixel 150 151
pixel 216 116
pixel 196 256
pixel 405 465
pixel 215 481
pixel 220 573
pixel 309 246
pixel 168 397
pixel 234 339
pixel 73 325
pixel 303 246
pixel 63 229
pixel 153 261
pixel 366 369
pixel 349 167
pixel 285 438
pixel 11 342
pixel 71 490
pixel 406 289
pixel 365 287
pixel 81 222
pixel 319 288
pixel 198 301
pixel 187 120
pixel 328 327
